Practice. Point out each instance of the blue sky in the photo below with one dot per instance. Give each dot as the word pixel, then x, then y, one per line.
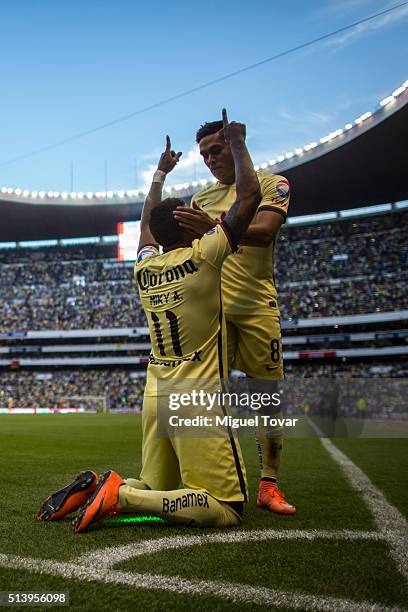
pixel 68 67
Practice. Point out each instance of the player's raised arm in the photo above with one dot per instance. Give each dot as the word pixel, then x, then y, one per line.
pixel 247 185
pixel 168 160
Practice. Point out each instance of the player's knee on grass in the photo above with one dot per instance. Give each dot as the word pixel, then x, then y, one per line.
pixel 192 507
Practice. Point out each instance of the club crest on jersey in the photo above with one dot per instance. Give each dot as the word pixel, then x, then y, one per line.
pixel 282 188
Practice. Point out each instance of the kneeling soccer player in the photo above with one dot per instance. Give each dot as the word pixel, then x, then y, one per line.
pixel 180 293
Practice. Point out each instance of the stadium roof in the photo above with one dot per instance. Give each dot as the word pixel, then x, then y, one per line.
pixel 365 164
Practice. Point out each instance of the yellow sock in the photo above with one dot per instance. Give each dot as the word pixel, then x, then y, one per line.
pixel 193 507
pixel 270 450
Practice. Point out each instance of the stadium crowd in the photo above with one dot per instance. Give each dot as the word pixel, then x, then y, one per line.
pixel 347 369
pixel 93 389
pixel 321 270
pixel 123 388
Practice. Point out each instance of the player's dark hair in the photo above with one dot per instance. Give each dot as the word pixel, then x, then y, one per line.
pixel 163 225
pixel 207 129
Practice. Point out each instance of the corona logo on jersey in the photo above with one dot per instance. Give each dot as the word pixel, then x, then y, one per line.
pixel 147 279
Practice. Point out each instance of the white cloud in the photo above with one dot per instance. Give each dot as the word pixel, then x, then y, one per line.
pixel 369 26
pixel 360 102
pixel 189 167
pixel 287 115
pixel 189 159
pixel 302 118
pixel 320 117
pixel 152 155
pixel 334 6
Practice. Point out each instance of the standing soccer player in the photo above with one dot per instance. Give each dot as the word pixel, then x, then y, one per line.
pixel 248 288
pixel 180 293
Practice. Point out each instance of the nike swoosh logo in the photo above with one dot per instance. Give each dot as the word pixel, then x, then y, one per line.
pixel 272 367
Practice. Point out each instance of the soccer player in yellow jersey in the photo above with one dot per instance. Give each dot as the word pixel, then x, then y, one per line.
pixel 248 289
pixel 180 293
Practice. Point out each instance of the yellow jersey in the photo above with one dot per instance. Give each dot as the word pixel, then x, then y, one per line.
pixel 248 284
pixel 180 293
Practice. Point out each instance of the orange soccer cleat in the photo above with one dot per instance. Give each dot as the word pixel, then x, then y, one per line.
pixel 102 503
pixel 270 497
pixel 69 498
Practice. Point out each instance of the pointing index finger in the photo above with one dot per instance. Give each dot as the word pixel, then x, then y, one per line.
pixel 168 144
pixel 224 117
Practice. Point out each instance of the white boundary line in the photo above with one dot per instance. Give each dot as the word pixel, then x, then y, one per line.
pixel 389 521
pixel 108 557
pixel 237 593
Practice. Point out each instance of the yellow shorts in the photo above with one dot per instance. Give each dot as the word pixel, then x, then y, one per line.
pixel 212 464
pixel 255 345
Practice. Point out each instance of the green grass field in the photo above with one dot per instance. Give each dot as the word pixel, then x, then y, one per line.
pixel 41 453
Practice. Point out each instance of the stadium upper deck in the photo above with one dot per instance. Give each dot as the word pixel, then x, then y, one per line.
pixel 364 163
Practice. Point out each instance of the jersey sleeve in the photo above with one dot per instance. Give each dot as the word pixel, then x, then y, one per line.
pixel 217 244
pixel 275 194
pixel 147 251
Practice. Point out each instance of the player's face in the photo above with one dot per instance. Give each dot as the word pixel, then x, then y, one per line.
pixel 218 158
